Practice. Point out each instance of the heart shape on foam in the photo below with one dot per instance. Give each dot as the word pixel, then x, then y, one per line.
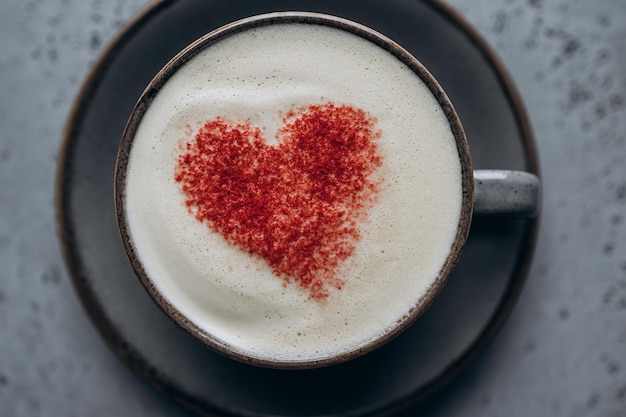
pixel 296 204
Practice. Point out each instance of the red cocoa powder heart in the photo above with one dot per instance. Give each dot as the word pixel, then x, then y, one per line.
pixel 296 204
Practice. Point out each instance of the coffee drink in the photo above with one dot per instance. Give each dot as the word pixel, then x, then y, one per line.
pixel 293 190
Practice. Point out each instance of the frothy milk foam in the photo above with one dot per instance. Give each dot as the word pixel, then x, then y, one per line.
pixel 258 75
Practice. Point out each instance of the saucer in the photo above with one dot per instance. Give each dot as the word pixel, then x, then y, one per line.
pixel 422 360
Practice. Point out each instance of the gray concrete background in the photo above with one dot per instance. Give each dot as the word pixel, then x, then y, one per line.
pixel 563 350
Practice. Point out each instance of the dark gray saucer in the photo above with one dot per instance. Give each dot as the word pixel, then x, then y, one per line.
pixel 422 360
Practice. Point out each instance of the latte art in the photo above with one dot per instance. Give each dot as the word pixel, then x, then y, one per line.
pixel 297 204
pixel 293 190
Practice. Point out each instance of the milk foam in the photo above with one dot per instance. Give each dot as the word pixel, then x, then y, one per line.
pixel 259 75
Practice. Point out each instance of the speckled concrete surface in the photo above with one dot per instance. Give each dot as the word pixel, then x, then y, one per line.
pixel 563 350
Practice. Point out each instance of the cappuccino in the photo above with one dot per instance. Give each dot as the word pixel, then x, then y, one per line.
pixel 293 190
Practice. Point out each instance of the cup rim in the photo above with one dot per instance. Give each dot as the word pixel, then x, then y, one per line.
pixel 180 59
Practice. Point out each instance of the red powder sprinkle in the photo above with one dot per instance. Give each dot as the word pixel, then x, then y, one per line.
pixel 296 204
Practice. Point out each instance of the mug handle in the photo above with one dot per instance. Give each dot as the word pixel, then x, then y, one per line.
pixel 512 193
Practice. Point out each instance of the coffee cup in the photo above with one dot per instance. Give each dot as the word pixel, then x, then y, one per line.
pixel 295 189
